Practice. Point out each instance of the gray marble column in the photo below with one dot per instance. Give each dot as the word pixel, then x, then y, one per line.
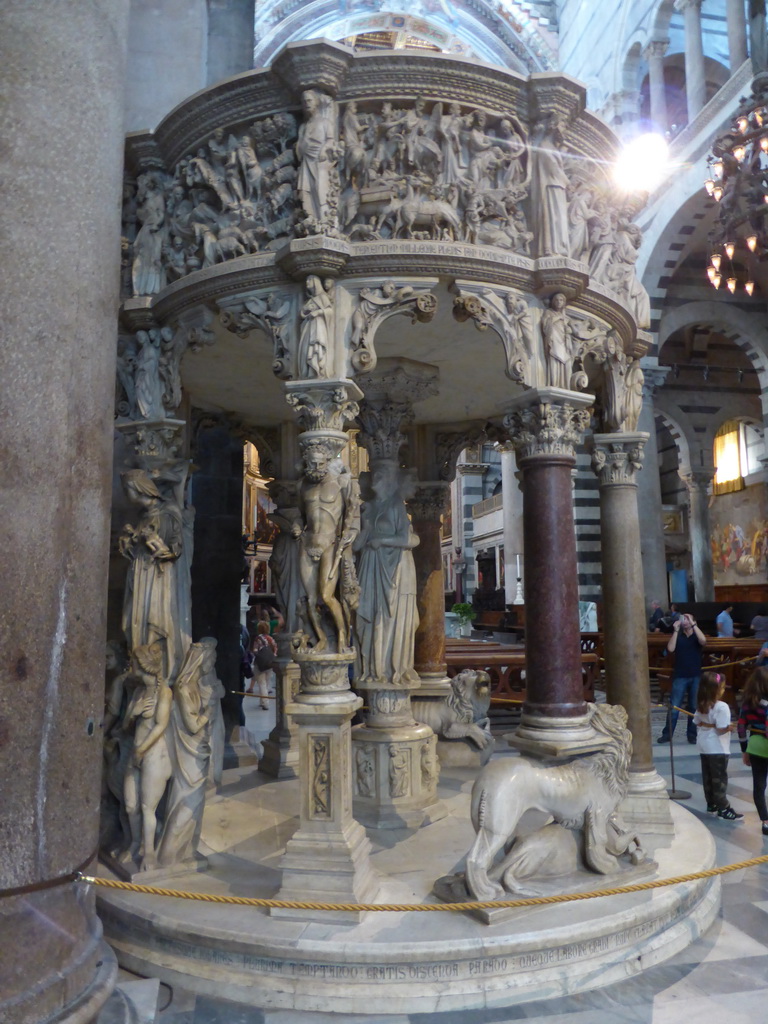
pixel 698 483
pixel 617 459
pixel 512 505
pixel 654 54
pixel 695 78
pixel 62 74
pixel 737 33
pixel 652 546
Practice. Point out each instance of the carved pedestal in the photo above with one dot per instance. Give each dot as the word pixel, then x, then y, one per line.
pixel 544 425
pixel 281 748
pixel 616 459
pixel 394 764
pixel 327 857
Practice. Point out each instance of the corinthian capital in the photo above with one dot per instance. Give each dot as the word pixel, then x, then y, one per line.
pixel 547 422
pixel 617 458
pixel 323 405
pixel 430 502
pixel 656 49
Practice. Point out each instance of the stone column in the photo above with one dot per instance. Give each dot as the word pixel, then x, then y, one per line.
pixel 394 758
pixel 654 54
pixel 281 750
pixel 544 426
pixel 737 33
pixel 512 507
pixel 327 858
pixel 698 483
pixel 616 459
pixel 62 73
pixel 426 508
pixel 695 77
pixel 652 547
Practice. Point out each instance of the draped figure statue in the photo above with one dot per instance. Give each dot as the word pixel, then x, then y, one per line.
pixel 157 602
pixel 387 615
pixel 189 750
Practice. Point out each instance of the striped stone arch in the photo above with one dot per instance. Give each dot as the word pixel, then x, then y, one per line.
pixel 677 432
pixel 747 330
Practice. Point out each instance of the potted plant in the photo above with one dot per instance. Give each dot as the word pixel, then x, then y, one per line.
pixel 464 613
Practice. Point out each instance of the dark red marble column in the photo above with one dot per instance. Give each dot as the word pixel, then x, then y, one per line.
pixel 553 648
pixel 544 426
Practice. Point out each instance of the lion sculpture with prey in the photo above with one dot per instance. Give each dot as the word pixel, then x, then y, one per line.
pixel 581 795
pixel 463 713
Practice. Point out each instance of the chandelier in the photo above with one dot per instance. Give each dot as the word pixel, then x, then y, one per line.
pixel 738 181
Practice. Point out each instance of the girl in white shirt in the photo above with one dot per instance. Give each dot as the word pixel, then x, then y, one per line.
pixel 713 720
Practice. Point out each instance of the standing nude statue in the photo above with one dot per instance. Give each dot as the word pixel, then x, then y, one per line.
pixel 329 503
pixel 146 779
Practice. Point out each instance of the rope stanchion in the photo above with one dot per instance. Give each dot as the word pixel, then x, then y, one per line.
pixel 400 908
pixel 50 883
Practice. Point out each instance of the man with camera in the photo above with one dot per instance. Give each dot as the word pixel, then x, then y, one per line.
pixel 686 644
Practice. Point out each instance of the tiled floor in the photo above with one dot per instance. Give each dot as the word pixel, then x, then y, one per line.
pixel 720 979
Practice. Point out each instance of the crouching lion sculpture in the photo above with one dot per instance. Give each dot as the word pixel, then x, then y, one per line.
pixel 463 714
pixel 582 795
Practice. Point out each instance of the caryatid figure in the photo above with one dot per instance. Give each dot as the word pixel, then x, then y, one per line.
pixel 329 505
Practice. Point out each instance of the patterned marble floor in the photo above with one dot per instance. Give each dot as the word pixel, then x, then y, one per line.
pixel 720 979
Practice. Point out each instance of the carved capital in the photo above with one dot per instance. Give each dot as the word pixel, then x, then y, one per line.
pixel 508 315
pixel 684 5
pixel 654 378
pixel 430 502
pixel 324 405
pixel 156 439
pixel 617 458
pixel 548 422
pixel 374 306
pixel 656 49
pixel 697 481
pixel 381 427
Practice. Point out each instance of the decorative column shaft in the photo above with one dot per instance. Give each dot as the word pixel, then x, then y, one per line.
pixel 617 459
pixel 737 33
pixel 57 367
pixel 544 426
pixel 698 483
pixel 654 54
pixel 426 509
pixel 652 546
pixel 695 78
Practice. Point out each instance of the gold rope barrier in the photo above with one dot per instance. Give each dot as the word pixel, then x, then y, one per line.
pixel 533 901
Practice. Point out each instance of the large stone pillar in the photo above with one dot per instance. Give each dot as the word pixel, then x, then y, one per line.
pixel 616 459
pixel 695 77
pixel 544 425
pixel 427 507
pixel 698 483
pixel 652 548
pixel 654 54
pixel 57 364
pixel 737 33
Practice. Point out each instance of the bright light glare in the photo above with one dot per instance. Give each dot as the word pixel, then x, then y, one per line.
pixel 642 163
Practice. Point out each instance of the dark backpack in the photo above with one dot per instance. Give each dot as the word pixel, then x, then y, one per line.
pixel 264 658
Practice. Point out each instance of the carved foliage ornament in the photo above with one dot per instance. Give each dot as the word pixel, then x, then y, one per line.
pixel 509 316
pixel 547 428
pixel 272 315
pixel 430 502
pixel 322 408
pixel 375 305
pixel 617 462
